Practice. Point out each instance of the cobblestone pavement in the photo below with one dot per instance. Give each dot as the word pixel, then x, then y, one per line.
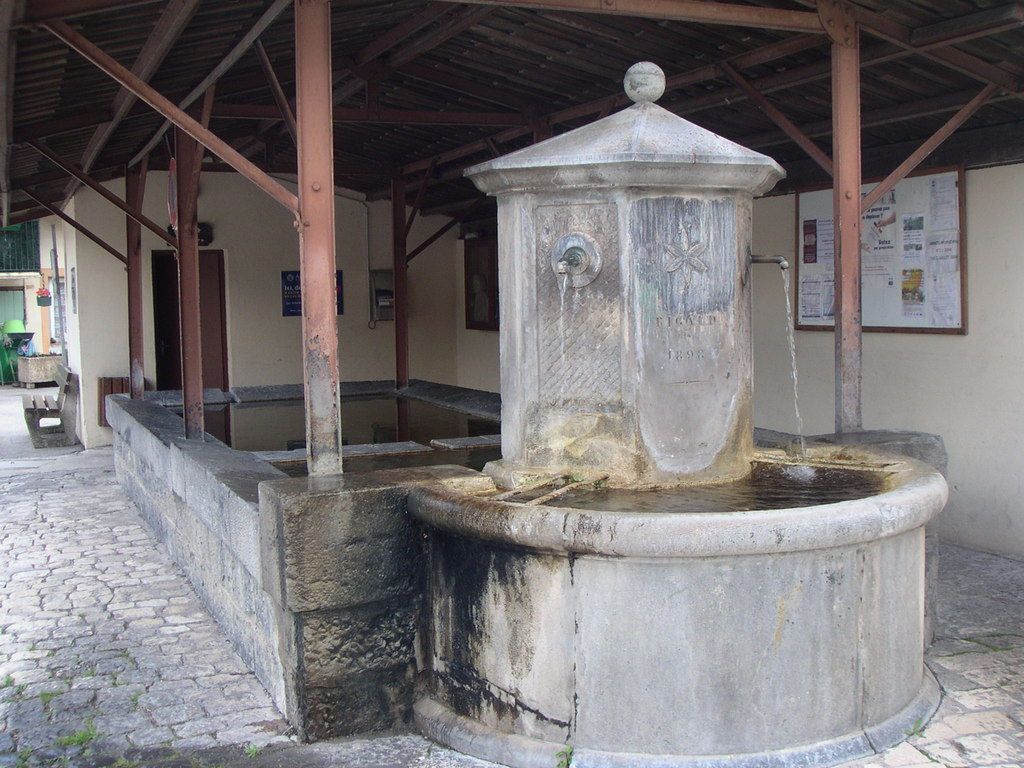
pixel 108 659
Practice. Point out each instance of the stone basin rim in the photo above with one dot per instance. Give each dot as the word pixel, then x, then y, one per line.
pixel 920 492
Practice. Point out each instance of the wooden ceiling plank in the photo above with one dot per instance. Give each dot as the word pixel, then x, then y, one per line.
pixel 384 116
pixel 466 18
pixel 887 29
pixel 401 33
pixel 488 91
pixel 83 177
pixel 678 10
pixel 8 49
pixel 279 95
pixel 928 146
pixel 172 22
pixel 48 10
pixel 752 58
pixel 802 139
pixel 988 22
pixel 265 20
pixel 173 113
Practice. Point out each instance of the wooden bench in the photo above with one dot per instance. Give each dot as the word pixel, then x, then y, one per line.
pixel 39 406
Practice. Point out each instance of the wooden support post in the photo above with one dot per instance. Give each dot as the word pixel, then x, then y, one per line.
pixel 400 265
pixel 185 150
pixel 135 183
pixel 316 236
pixel 846 208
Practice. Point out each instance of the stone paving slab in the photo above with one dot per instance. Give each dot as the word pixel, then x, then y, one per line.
pixel 108 659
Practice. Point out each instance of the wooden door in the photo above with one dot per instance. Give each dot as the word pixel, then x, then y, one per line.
pixel 212 318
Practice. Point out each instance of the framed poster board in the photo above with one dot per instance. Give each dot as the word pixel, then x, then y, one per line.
pixel 913 260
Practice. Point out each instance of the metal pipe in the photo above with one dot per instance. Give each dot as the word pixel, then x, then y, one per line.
pixel 782 261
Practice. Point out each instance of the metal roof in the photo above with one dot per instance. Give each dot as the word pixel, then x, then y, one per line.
pixel 425 89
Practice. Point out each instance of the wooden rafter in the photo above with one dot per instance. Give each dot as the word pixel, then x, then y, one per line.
pixel 8 48
pixel 403 49
pixel 280 98
pixel 929 146
pixel 173 113
pixel 679 10
pixel 755 57
pixel 84 178
pixel 788 126
pixel 38 11
pixel 265 20
pixel 53 209
pixel 165 34
pixel 398 116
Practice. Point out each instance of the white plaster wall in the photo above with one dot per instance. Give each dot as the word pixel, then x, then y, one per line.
pixel 964 388
pixel 259 241
pixel 98 331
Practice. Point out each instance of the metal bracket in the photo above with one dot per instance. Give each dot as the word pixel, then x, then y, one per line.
pixel 839 21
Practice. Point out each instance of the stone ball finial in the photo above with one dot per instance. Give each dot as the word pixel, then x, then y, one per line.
pixel 644 81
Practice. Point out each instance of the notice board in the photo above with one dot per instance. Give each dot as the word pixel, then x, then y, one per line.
pixel 913 265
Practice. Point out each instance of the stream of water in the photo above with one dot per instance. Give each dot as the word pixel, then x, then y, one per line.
pixel 791 336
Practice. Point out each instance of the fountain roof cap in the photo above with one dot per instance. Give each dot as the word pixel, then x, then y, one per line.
pixel 641 146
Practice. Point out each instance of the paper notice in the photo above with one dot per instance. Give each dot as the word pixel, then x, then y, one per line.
pixel 826 240
pixel 912 238
pixel 943 210
pixel 913 293
pixel 817 297
pixel 945 300
pixel 878 237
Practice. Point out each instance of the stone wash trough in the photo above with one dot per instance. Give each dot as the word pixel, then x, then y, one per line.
pixel 602 586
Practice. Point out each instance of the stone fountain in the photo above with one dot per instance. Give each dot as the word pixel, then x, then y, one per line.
pixel 763 637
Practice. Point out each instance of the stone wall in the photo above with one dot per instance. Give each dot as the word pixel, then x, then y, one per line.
pixel 316 581
pixel 201 501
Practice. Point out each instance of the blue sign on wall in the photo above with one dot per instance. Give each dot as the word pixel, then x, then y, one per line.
pixel 291 294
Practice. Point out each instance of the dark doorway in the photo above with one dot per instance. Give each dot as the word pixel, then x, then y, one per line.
pixel 212 318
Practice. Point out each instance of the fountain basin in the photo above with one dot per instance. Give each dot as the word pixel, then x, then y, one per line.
pixel 759 638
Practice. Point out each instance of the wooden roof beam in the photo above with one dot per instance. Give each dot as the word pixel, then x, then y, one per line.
pixel 910 110
pixel 80 227
pixel 699 11
pixel 280 97
pixel 269 17
pixel 37 11
pixel 8 48
pixel 172 22
pixel 929 146
pixel 788 126
pixel 84 178
pixel 755 57
pixel 987 22
pixel 174 114
pixel 462 21
pixel 399 116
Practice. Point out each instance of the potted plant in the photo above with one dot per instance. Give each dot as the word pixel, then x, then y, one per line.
pixel 43 298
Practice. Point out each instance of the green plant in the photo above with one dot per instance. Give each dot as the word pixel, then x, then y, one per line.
pixel 7 682
pixel 47 696
pixel 23 757
pixel 80 738
pixel 135 700
pixel 917 728
pixel 251 750
pixel 122 762
pixel 564 757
